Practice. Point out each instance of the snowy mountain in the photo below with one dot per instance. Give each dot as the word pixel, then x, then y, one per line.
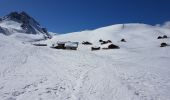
pixel 138 34
pixel 21 25
pixel 139 70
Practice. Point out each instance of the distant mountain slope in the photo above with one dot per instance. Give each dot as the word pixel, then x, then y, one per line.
pixel 21 24
pixel 133 33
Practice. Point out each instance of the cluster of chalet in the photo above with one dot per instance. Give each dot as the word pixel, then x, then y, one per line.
pixel 66 45
pixel 110 46
pixel 74 45
pixel 102 42
pixel 163 44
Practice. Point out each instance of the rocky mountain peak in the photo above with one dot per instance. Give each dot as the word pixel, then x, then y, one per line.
pixel 28 24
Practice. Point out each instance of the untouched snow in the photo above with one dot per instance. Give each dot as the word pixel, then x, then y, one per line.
pixel 139 70
pixel 11 24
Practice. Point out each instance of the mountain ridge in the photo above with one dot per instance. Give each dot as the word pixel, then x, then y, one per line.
pixel 21 22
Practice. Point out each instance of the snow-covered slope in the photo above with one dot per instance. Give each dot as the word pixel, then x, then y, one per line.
pixel 20 25
pixel 139 70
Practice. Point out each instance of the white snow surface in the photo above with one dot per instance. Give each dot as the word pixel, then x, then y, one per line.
pixel 139 70
pixel 11 24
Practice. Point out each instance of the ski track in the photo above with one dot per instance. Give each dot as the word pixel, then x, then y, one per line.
pixel 84 85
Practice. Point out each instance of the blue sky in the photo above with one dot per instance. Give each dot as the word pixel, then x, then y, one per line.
pixel 64 16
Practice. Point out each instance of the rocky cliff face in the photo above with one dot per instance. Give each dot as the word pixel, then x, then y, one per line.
pixel 26 23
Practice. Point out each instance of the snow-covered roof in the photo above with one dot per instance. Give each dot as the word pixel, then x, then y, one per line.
pixel 61 42
pixel 71 44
